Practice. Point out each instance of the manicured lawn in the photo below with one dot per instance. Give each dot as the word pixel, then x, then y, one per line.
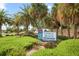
pixel 65 48
pixel 12 45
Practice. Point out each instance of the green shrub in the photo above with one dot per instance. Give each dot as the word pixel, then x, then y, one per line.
pixel 62 37
pixel 12 45
pixel 16 52
pixel 65 48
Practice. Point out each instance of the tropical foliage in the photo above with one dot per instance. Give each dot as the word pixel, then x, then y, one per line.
pixel 62 15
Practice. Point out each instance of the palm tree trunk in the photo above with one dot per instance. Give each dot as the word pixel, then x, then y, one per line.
pixel 75 31
pixel 61 31
pixel 75 27
pixel 17 30
pixel 51 29
pixel 68 32
pixel 26 32
pixel 57 32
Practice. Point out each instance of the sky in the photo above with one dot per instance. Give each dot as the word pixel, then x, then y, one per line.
pixel 12 8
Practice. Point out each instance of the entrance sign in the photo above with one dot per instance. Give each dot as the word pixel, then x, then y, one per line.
pixel 49 36
pixel 45 35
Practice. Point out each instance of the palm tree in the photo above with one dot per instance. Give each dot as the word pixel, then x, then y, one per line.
pixel 67 12
pixel 67 20
pixel 72 11
pixel 38 12
pixel 54 17
pixel 75 12
pixel 68 15
pixel 2 19
pixel 26 19
pixel 47 21
pixel 17 22
pixel 64 13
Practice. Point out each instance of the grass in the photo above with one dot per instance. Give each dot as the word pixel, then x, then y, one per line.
pixel 18 46
pixel 15 46
pixel 64 48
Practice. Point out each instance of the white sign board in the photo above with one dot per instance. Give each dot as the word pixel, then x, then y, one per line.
pixel 49 36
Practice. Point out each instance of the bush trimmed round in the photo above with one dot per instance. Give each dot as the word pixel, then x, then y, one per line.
pixel 65 48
